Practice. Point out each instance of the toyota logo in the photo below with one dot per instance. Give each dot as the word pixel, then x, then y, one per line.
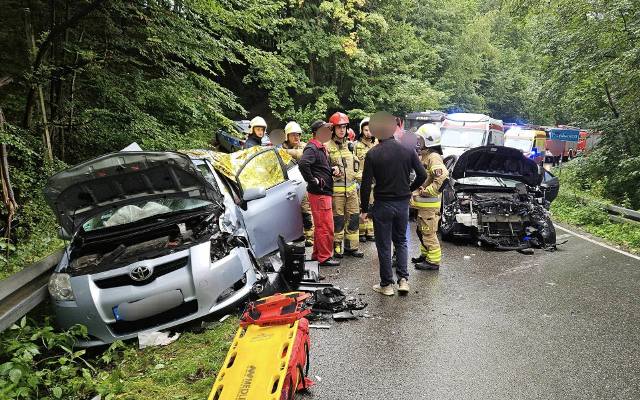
pixel 140 273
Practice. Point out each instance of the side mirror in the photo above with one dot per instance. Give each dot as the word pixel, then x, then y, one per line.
pixel 254 194
pixel 62 234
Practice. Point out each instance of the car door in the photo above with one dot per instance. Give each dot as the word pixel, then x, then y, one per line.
pixel 278 212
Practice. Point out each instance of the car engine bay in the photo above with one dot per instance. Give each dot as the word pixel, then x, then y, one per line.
pixel 506 220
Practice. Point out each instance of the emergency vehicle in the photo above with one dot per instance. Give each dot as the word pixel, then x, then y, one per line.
pixel 463 131
pixel 530 141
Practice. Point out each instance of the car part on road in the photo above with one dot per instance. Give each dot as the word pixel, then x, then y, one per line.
pixel 269 356
pixel 333 300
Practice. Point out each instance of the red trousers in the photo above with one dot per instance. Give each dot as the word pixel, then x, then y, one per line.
pixel 322 214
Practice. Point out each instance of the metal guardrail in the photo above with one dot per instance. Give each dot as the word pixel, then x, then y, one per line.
pixel 619 213
pixel 23 291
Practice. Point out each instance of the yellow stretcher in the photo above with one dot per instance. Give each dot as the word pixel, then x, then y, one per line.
pixel 265 363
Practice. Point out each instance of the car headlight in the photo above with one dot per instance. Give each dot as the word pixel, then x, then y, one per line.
pixel 60 287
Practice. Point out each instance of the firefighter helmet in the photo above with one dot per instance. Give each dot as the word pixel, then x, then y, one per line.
pixel 257 121
pixel 339 118
pixel 363 123
pixel 292 127
pixel 430 134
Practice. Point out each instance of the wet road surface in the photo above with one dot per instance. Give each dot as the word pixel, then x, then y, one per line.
pixel 494 325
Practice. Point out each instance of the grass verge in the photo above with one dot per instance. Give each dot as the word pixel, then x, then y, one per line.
pixel 183 370
pixel 577 206
pixel 37 362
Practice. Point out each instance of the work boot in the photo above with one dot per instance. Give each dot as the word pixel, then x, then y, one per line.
pixel 371 238
pixel 363 239
pixel 427 266
pixel 330 262
pixel 354 253
pixel 418 259
pixel 385 290
pixel 337 250
pixel 403 287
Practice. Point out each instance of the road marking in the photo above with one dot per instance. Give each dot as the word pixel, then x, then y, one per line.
pixel 606 246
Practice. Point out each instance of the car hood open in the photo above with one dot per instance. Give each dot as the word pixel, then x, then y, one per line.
pixel 497 161
pixel 122 178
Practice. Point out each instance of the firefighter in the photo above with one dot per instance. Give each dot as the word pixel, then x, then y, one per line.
pixel 346 206
pixel 257 129
pixel 363 145
pixel 294 147
pixel 428 197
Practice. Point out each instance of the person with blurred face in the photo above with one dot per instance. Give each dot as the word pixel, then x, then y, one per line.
pixel 390 165
pixel 318 173
pixel 345 190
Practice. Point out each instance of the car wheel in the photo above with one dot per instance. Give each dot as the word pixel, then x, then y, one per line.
pixel 447 227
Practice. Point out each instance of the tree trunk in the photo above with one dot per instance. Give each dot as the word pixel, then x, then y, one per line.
pixel 7 190
pixel 614 110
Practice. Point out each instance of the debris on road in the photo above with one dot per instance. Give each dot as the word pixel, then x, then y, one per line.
pixel 157 338
pixel 319 326
pixel 332 300
pixel 344 316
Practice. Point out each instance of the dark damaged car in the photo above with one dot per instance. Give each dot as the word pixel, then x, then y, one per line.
pixel 157 239
pixel 500 198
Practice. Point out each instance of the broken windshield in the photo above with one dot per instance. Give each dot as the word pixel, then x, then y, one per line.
pixel 136 212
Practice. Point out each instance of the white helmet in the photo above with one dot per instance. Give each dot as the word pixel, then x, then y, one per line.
pixel 257 121
pixel 365 121
pixel 430 134
pixel 292 127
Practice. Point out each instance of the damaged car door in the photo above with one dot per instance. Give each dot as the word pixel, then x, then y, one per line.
pixel 271 202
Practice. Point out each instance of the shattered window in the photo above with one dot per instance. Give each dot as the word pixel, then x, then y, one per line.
pixel 264 170
pixel 136 212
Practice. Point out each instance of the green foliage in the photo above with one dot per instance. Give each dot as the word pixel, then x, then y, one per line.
pixel 38 363
pixel 169 74
pixel 579 203
pixel 182 370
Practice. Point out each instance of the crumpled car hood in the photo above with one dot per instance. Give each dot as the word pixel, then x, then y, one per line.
pixel 497 161
pixel 122 178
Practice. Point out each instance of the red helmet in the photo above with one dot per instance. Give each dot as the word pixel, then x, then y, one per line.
pixel 339 118
pixel 351 134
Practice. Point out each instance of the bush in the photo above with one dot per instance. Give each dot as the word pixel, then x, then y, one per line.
pixel 38 363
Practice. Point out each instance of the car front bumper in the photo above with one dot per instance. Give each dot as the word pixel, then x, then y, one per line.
pixel 113 307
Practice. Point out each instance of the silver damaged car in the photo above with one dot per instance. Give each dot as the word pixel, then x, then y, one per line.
pixel 157 239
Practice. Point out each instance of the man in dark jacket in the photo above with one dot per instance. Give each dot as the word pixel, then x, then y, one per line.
pixel 389 164
pixel 315 169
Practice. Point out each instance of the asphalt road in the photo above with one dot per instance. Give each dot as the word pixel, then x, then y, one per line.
pixel 495 325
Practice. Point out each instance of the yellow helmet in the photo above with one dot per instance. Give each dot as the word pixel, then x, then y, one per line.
pixel 430 134
pixel 292 127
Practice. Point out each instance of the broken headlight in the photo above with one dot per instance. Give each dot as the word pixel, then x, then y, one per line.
pixel 60 287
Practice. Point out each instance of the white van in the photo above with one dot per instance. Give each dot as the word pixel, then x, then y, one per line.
pixel 463 131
